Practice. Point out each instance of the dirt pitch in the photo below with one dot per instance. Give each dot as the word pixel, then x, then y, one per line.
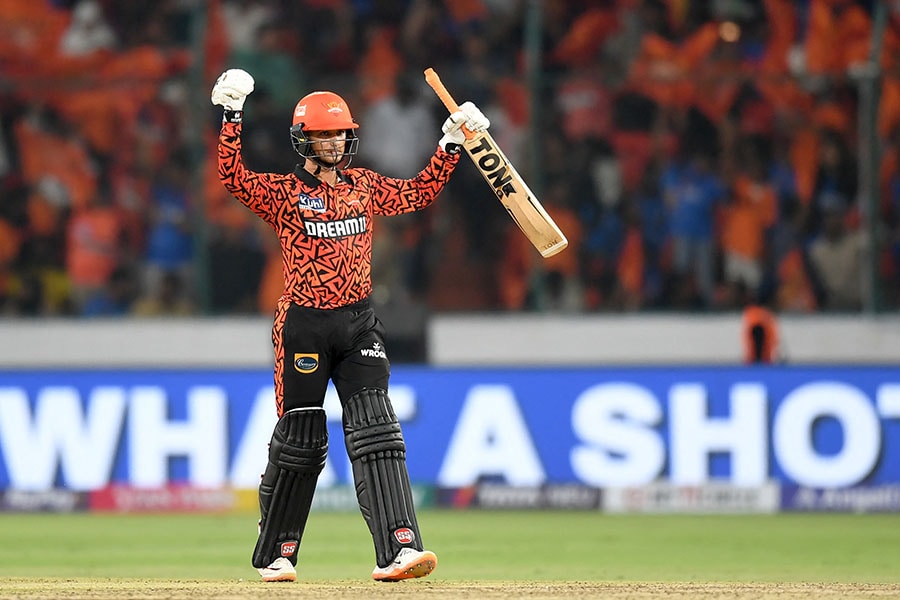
pixel 153 589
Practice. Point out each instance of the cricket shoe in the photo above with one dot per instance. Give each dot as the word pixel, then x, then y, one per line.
pixel 281 569
pixel 408 564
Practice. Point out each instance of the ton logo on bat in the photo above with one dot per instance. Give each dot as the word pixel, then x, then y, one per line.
pixel 500 178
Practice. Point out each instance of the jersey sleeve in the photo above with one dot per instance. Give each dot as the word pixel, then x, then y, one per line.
pixel 249 187
pixel 393 196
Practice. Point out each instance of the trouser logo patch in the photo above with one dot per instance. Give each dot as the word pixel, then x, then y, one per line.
pixel 405 535
pixel 306 363
pixel 289 548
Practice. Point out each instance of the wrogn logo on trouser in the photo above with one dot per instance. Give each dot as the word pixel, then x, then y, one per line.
pixel 376 351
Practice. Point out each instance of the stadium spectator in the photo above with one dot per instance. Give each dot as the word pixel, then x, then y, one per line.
pixel 50 151
pixel 836 176
pixel 276 68
pixel 93 250
pixel 795 291
pixel 115 298
pixel 263 140
pixel 243 20
pixel 631 266
pixel 170 299
pixel 88 30
pixel 747 222
pixel 380 62
pixel 693 191
pixel 584 101
pixel 836 258
pixel 760 334
pixel 889 209
pixel 394 123
pixel 838 34
pixel 170 246
pixel 41 260
pixel 655 226
pixel 555 282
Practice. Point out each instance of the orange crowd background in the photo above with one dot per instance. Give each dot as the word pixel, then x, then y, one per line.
pixel 699 156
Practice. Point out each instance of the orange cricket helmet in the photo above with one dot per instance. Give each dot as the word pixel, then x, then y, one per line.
pixel 324 111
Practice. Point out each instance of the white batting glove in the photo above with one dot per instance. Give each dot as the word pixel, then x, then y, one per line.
pixel 232 88
pixel 468 115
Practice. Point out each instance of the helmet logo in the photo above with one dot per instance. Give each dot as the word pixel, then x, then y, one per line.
pixel 334 107
pixel 300 111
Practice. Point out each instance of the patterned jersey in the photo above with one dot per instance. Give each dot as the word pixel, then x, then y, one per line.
pixel 326 232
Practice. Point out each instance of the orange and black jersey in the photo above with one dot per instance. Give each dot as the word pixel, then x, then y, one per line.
pixel 326 232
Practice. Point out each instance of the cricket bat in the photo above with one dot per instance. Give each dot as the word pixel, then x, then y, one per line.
pixel 508 185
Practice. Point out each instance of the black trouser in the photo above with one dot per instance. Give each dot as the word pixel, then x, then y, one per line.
pixel 345 345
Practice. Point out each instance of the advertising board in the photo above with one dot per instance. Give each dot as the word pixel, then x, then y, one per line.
pixel 817 428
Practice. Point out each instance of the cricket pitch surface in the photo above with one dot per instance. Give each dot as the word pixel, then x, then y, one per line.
pixel 95 588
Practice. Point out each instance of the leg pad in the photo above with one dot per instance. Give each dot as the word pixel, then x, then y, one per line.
pixel 378 457
pixel 296 457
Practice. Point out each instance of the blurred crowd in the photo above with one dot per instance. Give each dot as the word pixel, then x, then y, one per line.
pixel 699 155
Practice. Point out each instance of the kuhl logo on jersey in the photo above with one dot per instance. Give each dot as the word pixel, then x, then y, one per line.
pixel 310 202
pixel 405 535
pixel 336 229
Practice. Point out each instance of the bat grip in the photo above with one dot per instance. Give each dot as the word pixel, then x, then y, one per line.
pixel 431 77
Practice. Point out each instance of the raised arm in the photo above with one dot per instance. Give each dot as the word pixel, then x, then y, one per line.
pixel 250 188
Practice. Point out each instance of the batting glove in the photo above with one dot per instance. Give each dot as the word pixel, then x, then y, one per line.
pixel 468 115
pixel 232 88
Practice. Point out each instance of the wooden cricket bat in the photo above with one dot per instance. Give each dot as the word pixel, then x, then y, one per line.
pixel 508 185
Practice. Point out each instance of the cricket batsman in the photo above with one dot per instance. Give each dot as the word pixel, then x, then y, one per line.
pixel 324 325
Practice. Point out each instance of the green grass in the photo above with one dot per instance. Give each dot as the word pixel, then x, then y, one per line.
pixel 481 545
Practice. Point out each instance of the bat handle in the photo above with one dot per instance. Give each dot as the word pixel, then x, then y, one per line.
pixel 431 77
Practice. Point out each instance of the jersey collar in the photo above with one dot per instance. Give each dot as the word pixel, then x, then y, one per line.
pixel 306 177
pixel 312 181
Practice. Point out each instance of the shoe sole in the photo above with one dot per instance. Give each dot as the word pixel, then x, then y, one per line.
pixel 422 567
pixel 280 577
